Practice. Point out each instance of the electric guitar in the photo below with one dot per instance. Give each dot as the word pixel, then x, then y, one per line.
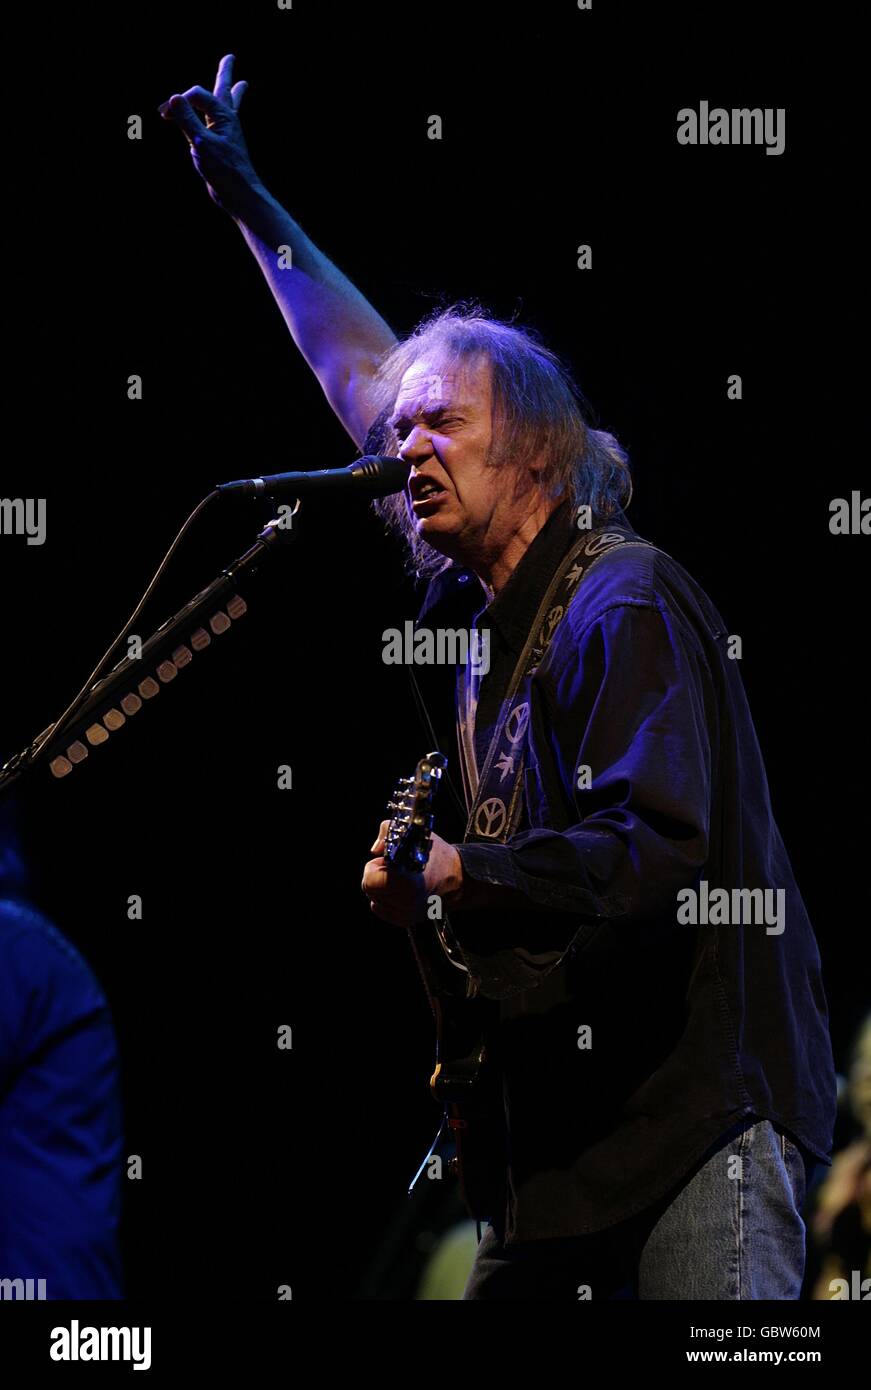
pixel 465 1081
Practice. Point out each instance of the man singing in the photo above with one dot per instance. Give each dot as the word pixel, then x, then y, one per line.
pixel 620 891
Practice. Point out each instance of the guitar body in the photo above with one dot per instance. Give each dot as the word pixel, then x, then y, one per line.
pixel 466 1081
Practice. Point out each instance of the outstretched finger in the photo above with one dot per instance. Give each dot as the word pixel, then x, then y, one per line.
pixel 380 838
pixel 237 94
pixel 224 79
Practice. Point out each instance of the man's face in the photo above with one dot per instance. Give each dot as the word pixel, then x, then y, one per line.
pixel 443 422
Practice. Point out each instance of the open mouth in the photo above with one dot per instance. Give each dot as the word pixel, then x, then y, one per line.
pixel 425 491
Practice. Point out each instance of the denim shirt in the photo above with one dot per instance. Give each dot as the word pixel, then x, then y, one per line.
pixel 61 1138
pixel 630 1043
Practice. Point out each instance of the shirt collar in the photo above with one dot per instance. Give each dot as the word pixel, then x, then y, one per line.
pixel 513 609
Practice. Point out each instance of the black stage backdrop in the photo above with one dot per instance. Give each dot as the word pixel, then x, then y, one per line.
pixel 264 1167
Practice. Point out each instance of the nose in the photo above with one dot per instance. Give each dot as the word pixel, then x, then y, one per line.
pixel 417 447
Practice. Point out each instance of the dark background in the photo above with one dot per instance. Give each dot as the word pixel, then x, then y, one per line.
pixel 263 1167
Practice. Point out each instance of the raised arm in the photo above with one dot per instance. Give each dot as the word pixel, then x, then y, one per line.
pixel 337 331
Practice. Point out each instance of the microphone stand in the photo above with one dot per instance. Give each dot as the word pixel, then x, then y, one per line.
pixel 118 697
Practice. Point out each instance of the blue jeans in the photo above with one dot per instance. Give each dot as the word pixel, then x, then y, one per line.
pixel 732 1230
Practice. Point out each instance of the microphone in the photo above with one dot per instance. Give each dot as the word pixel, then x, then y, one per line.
pixel 373 475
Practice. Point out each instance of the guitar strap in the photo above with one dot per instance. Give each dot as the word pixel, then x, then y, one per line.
pixel 494 799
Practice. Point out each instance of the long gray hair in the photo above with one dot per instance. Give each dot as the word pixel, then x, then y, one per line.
pixel 538 412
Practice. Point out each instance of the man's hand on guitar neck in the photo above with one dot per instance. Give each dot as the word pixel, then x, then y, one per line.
pixel 400 897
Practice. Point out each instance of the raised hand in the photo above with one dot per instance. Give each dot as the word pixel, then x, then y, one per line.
pixel 217 145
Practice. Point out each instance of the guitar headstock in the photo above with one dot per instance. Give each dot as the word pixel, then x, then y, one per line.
pixel 408 834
